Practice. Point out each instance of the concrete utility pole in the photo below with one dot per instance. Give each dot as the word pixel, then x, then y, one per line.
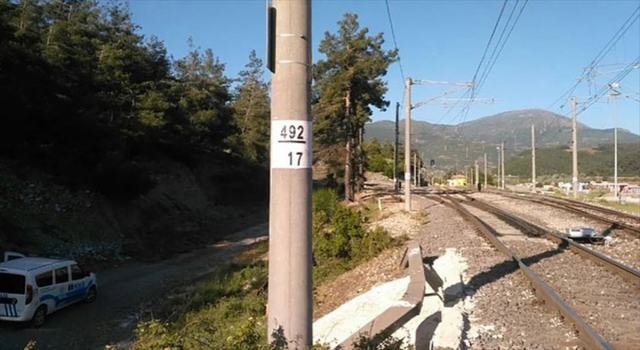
pixel 533 157
pixel 502 151
pixel 485 170
pixel 395 150
pixel 407 146
pixel 615 144
pixel 477 175
pixel 290 294
pixel 574 135
pixel 415 169
pixel 498 165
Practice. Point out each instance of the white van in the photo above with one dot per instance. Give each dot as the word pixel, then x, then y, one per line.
pixel 33 287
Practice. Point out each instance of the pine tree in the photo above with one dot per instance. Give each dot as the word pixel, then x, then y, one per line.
pixel 252 111
pixel 204 117
pixel 348 83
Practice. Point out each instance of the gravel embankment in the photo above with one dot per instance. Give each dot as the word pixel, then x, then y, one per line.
pixel 503 312
pixel 622 247
pixel 607 302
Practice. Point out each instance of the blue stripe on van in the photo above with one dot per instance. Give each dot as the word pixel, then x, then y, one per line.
pixel 10 310
pixel 67 297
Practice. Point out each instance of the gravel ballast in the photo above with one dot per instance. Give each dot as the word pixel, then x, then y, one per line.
pixel 607 302
pixel 503 312
pixel 621 247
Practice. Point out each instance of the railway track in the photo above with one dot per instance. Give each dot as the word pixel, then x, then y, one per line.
pixel 603 307
pixel 616 219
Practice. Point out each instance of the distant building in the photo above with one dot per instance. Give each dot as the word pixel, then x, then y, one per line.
pixel 631 189
pixel 609 186
pixel 457 181
pixel 568 186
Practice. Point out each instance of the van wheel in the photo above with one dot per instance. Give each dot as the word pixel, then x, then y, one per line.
pixel 91 295
pixel 39 316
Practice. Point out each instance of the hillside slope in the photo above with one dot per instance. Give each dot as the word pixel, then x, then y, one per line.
pixel 463 143
pixel 185 208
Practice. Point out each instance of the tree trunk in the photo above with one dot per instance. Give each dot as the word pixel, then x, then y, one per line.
pixel 361 160
pixel 348 176
pixel 348 164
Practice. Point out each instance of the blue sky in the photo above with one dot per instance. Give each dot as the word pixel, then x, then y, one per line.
pixel 440 40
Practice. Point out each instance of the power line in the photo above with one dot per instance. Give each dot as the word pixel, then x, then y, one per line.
pixel 484 55
pixel 495 54
pixel 395 43
pixel 493 32
pixel 588 70
pixel 619 77
pixel 603 52
pixel 481 84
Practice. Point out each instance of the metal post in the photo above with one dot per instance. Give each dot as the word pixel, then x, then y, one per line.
pixel 407 145
pixel 533 157
pixel 395 151
pixel 502 151
pixel 485 170
pixel 290 294
pixel 574 135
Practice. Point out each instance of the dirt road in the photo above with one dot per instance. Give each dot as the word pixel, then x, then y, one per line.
pixel 123 292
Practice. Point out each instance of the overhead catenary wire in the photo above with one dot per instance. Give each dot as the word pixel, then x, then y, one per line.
pixel 628 23
pixel 395 44
pixel 493 58
pixel 589 69
pixel 484 78
pixel 484 55
pixel 616 79
pixel 486 49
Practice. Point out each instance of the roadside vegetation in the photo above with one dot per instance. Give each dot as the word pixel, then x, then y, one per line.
pixel 228 310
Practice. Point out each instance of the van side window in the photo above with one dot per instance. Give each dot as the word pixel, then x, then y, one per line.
pixel 76 272
pixel 44 279
pixel 62 275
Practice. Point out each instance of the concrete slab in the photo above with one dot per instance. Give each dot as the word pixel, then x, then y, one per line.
pixel 435 325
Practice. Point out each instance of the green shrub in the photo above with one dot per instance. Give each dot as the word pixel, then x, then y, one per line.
pixel 340 240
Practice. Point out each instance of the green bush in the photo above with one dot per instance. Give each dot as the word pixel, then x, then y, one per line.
pixel 225 312
pixel 340 240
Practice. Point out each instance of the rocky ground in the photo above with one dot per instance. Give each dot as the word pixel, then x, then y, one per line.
pixel 606 301
pixel 499 308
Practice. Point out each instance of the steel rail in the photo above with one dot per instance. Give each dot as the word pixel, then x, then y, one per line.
pixel 627 272
pixel 590 338
pixel 567 206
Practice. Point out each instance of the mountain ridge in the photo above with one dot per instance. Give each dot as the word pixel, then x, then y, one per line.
pixel 453 145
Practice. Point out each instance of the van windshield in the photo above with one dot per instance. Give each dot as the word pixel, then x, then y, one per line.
pixel 11 283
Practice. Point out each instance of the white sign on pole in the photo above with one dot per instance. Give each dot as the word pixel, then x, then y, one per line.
pixel 291 144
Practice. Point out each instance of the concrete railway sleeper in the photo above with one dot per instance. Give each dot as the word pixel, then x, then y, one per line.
pixel 585 329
